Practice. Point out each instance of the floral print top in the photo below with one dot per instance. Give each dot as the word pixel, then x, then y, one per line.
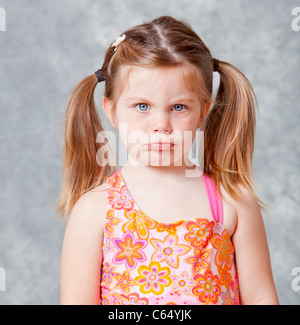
pixel 146 262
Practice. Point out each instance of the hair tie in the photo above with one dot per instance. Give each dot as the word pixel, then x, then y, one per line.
pixel 99 76
pixel 216 64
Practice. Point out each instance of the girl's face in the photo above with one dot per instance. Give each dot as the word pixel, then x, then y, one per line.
pixel 157 116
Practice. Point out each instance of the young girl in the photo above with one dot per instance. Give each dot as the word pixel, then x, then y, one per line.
pixel 160 230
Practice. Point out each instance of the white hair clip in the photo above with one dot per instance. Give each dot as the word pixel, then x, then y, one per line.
pixel 119 40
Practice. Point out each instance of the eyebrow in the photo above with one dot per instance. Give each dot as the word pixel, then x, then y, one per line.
pixel 137 99
pixel 176 100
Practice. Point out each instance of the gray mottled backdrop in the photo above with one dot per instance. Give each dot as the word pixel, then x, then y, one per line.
pixel 49 46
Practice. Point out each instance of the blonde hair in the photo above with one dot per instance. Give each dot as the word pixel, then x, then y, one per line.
pixel 229 127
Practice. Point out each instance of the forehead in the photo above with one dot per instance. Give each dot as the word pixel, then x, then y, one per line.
pixel 171 81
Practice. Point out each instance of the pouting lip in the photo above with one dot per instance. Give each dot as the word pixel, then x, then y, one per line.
pixel 160 146
pixel 171 144
pixel 159 141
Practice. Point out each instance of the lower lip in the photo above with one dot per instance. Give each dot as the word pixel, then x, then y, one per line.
pixel 160 146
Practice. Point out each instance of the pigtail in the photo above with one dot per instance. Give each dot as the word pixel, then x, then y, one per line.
pixel 82 128
pixel 229 134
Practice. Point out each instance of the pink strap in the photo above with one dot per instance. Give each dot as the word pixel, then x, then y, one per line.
pixel 215 200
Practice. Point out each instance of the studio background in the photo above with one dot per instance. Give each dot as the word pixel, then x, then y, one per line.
pixel 49 46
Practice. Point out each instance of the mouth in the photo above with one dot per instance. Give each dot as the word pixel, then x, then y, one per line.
pixel 160 145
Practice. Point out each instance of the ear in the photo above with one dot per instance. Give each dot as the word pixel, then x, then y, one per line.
pixel 108 109
pixel 204 113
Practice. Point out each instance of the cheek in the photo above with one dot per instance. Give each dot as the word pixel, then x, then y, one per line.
pixel 131 136
pixel 188 132
pixel 188 138
pixel 188 122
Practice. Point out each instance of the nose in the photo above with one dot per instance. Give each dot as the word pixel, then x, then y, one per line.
pixel 161 123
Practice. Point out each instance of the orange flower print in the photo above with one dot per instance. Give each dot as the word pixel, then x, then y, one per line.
pixel 133 299
pixel 224 249
pixel 106 245
pixel 182 283
pixel 226 298
pixel 107 272
pixel 225 277
pixel 153 278
pixel 200 260
pixel 207 289
pixel 104 301
pixel 138 222
pixel 124 282
pixel 168 250
pixel 234 286
pixel 109 298
pixel 199 232
pixel 129 251
pixel 111 222
pixel 114 180
pixel 171 228
pixel 120 199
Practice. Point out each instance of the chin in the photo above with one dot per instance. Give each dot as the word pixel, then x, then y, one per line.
pixel 158 159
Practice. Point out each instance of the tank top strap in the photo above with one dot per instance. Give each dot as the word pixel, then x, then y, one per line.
pixel 214 197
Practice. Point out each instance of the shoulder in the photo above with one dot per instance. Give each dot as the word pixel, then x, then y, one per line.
pixel 89 212
pixel 92 200
pixel 242 210
pixel 245 201
pixel 92 204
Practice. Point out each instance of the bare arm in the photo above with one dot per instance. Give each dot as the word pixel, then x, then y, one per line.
pixel 252 255
pixel 81 253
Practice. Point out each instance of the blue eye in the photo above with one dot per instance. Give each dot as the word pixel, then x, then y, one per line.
pixel 142 107
pixel 179 107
